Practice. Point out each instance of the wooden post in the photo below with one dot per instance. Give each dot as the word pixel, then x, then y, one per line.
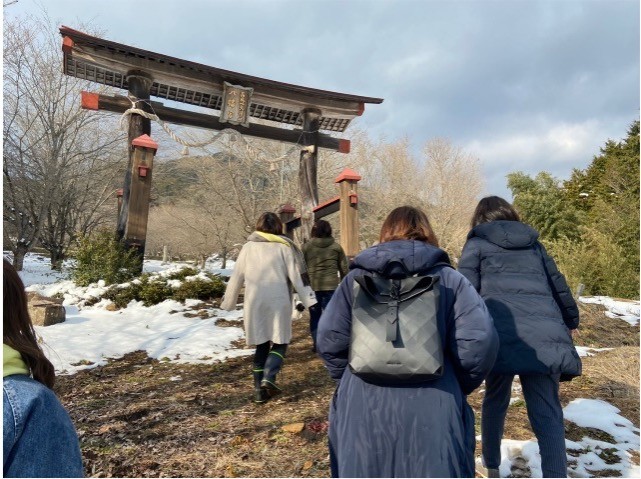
pixel 348 184
pixel 139 87
pixel 165 255
pixel 286 213
pixel 144 149
pixel 307 170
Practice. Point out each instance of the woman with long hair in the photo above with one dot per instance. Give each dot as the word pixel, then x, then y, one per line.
pixel 388 428
pixel 534 313
pixel 39 439
pixel 327 265
pixel 267 265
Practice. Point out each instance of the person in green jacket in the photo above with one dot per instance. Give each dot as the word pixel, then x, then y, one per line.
pixel 327 265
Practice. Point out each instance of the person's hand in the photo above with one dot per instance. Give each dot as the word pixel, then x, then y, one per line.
pixel 574 333
pixel 300 307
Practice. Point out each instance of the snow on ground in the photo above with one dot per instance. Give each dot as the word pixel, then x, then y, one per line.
pixel 627 310
pixel 586 351
pixel 92 335
pixel 586 456
pixel 37 269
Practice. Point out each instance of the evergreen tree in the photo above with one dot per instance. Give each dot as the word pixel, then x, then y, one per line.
pixel 542 203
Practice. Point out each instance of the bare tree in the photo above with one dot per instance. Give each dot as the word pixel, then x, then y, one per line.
pixel 452 185
pixel 58 159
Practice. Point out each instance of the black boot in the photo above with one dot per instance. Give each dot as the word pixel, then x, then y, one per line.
pixel 272 367
pixel 260 395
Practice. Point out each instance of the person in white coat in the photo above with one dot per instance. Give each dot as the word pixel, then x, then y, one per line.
pixel 269 264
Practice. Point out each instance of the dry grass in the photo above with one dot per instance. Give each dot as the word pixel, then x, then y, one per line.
pixel 135 421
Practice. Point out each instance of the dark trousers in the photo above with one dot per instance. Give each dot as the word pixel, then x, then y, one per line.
pixel 541 393
pixel 316 311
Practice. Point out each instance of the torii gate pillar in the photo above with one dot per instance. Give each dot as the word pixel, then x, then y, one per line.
pixel 348 183
pixel 307 170
pixel 139 88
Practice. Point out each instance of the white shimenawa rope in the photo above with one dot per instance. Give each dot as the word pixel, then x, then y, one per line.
pixel 227 131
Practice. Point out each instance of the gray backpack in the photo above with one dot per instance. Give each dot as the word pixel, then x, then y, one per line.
pixel 395 337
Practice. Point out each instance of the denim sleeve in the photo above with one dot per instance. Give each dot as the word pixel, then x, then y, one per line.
pixel 335 329
pixel 8 428
pixel 45 442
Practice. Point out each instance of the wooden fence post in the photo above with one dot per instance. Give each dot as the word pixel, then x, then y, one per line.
pixel 348 184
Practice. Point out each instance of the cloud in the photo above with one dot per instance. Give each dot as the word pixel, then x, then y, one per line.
pixel 536 83
pixel 556 148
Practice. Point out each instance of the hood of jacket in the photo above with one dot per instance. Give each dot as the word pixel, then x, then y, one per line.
pixel 415 256
pixel 321 242
pixel 506 234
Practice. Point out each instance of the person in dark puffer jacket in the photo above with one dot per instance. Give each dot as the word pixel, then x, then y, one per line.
pixel 535 315
pixel 423 429
pixel 327 265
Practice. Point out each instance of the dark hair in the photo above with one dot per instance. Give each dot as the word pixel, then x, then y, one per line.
pixel 321 229
pixel 17 329
pixel 269 223
pixel 407 222
pixel 493 208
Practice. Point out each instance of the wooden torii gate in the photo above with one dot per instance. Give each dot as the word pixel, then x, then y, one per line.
pixel 240 99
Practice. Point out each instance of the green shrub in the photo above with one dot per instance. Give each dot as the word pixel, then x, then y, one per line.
pixel 121 297
pixel 102 257
pixel 154 292
pixel 181 274
pixel 200 288
pixel 153 289
pixel 598 262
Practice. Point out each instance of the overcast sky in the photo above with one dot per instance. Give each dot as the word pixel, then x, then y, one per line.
pixel 522 85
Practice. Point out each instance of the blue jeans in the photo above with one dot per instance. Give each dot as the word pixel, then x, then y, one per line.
pixel 316 311
pixel 541 393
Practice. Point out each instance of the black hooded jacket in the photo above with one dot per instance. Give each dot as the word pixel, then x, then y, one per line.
pixel 528 298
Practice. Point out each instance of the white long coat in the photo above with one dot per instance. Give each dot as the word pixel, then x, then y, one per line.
pixel 266 269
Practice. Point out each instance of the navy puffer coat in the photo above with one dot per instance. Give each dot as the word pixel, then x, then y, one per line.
pixel 415 430
pixel 532 306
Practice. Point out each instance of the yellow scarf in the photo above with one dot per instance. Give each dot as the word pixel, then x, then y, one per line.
pixel 12 362
pixel 273 238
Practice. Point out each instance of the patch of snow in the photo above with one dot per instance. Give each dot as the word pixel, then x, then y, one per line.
pixel 94 334
pixel 601 415
pixel 627 310
pixel 584 351
pixel 36 269
pixel 584 458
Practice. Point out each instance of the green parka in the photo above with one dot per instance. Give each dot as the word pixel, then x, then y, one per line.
pixel 325 261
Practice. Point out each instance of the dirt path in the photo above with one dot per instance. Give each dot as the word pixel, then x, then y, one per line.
pixel 139 417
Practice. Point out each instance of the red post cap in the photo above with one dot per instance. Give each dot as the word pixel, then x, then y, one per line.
pixel 287 208
pixel 348 175
pixel 145 141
